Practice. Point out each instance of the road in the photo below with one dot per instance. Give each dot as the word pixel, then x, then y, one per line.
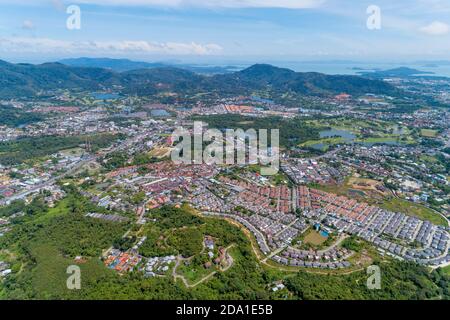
pixel 49 182
pixel 328 154
pixel 176 276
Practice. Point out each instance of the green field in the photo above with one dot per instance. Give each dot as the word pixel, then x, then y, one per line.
pixel 60 209
pixel 387 139
pixel 326 142
pixel 428 133
pixel 30 148
pixel 446 270
pixel 49 277
pixel 413 209
pixel 314 238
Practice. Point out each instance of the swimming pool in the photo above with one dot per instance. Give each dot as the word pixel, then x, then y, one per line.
pixel 323 233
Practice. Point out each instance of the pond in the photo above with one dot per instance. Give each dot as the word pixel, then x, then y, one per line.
pixel 159 113
pixel 320 146
pixel 349 137
pixel 261 100
pixel 323 233
pixel 183 109
pixel 104 96
pixel 346 135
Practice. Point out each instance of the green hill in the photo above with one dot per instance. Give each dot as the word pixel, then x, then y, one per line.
pixel 22 80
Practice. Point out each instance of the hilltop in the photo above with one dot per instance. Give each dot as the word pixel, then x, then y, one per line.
pixel 22 80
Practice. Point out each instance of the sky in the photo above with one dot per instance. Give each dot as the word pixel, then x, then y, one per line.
pixel 208 31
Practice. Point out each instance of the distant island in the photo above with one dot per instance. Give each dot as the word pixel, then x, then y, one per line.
pixel 400 72
pixel 123 65
pixel 431 65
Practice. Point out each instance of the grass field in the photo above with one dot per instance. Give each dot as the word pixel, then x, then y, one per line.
pixel 446 270
pixel 328 141
pixel 160 152
pixel 59 210
pixel 351 189
pixel 366 184
pixel 72 152
pixel 194 273
pixel 428 133
pixel 314 238
pixel 386 139
pixel 49 277
pixel 414 210
pixel 428 159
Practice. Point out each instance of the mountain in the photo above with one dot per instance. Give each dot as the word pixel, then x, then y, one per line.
pixel 401 72
pixel 122 65
pixel 151 81
pixel 261 76
pixel 118 65
pixel 18 80
pixel 27 80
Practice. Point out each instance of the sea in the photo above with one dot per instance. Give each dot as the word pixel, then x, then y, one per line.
pixel 439 69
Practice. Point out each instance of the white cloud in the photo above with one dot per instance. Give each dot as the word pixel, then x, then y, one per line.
pixel 289 4
pixel 58 4
pixel 436 28
pixel 28 25
pixel 46 45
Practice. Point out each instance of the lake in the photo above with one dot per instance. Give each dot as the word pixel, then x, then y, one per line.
pixel 349 137
pixel 346 135
pixel 320 146
pixel 104 96
pixel 159 113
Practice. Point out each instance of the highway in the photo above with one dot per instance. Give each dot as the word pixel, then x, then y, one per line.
pixel 49 182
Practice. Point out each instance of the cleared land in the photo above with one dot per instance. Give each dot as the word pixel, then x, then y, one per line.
pixel 428 133
pixel 413 209
pixel 314 238
pixel 367 185
pixel 160 152
pixel 352 188
pixel 362 189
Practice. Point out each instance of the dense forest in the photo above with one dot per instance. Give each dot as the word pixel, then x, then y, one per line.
pixel 13 117
pixel 292 131
pixel 26 148
pixel 29 80
pixel 47 243
pixel 399 281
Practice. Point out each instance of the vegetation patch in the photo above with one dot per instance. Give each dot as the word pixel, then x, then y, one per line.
pixel 26 148
pixel 428 133
pixel 315 238
pixel 413 209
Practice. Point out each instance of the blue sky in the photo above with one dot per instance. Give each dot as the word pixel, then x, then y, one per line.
pixel 225 30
